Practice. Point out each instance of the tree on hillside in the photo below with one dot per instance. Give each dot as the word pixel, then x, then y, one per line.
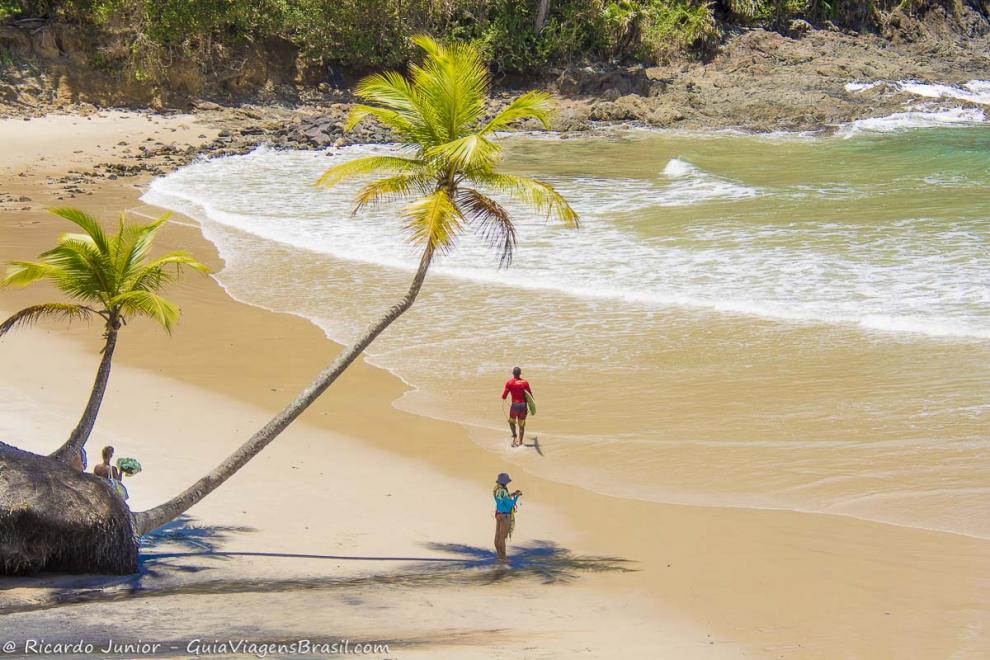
pixel 450 165
pixel 105 276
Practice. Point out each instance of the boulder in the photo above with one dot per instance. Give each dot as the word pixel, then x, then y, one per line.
pixel 55 518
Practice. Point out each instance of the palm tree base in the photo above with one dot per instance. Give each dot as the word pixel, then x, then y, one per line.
pixel 54 518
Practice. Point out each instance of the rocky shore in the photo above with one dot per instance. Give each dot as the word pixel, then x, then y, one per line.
pixel 760 81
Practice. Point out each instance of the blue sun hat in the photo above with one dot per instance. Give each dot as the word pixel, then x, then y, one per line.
pixel 503 479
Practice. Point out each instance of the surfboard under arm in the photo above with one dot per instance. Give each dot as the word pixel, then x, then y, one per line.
pixel 530 403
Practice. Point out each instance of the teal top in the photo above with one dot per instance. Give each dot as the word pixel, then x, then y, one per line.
pixel 504 503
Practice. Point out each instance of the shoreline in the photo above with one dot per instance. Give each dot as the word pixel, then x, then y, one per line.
pixel 805 574
pixel 470 428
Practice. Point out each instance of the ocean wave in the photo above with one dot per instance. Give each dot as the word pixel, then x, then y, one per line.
pixel 913 119
pixel 975 91
pixel 913 276
pixel 691 185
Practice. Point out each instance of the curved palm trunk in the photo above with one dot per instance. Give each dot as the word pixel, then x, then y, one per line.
pixel 146 521
pixel 80 434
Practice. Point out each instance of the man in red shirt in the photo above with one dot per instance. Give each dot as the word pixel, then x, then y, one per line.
pixel 517 386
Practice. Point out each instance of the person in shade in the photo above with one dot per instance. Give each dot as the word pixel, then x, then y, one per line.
pixel 505 513
pixel 517 386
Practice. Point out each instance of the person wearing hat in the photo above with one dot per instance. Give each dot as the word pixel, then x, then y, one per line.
pixel 505 513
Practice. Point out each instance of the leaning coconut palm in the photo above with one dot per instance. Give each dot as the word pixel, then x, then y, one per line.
pixel 107 276
pixel 438 116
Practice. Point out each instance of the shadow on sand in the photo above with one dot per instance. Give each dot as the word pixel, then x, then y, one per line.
pixel 534 445
pixel 167 573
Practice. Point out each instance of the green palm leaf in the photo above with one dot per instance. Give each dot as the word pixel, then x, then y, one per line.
pixel 433 221
pixel 532 105
pixel 394 187
pixel 88 223
pixel 22 273
pixel 368 165
pixel 400 107
pixel 136 244
pixel 152 305
pixel 469 151
pixel 153 275
pixel 539 194
pixel 49 311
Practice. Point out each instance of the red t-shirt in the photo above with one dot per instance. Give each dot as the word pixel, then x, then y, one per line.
pixel 517 386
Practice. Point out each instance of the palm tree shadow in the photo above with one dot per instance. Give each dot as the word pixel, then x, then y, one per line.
pixel 535 445
pixel 542 561
pixel 184 533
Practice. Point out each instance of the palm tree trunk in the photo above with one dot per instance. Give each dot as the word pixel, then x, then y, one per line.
pixel 146 521
pixel 80 434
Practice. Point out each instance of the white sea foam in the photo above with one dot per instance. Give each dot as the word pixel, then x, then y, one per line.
pixel 905 279
pixel 975 91
pixel 913 119
pixel 690 185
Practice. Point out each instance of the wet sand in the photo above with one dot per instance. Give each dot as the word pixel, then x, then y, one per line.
pixel 358 478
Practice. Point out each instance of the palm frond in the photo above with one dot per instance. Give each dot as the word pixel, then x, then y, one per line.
pixel 414 119
pixel 433 221
pixel 156 274
pixel 538 194
pixel 393 187
pixel 492 222
pixel 391 119
pixel 470 151
pixel 134 244
pixel 36 313
pixel 88 223
pixel 87 273
pixel 69 236
pixel 368 165
pixel 22 273
pixel 454 81
pixel 150 304
pixel 179 258
pixel 432 47
pixel 532 105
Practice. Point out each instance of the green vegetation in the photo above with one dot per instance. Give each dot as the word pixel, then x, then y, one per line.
pixel 107 276
pixel 373 34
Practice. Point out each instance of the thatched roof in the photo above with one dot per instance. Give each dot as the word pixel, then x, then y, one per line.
pixel 55 518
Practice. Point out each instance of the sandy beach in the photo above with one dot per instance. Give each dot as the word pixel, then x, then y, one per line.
pixel 370 523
